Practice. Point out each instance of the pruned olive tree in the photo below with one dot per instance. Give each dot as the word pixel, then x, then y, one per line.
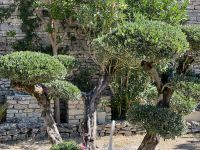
pixel 42 76
pixel 56 18
pixel 164 52
pixel 99 18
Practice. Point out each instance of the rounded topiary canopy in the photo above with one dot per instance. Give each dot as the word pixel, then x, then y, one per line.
pixel 162 121
pixel 144 39
pixel 30 68
pixel 68 61
pixel 193 36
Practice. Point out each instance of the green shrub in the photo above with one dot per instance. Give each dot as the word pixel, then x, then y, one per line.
pixel 31 68
pixel 152 40
pixel 170 11
pixel 162 121
pixel 68 61
pixel 182 104
pixel 63 89
pixel 67 145
pixel 193 36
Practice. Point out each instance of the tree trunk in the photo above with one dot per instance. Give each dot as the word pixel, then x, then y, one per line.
pixel 91 100
pixel 57 110
pixel 40 93
pixel 149 142
pixel 51 127
pixel 89 125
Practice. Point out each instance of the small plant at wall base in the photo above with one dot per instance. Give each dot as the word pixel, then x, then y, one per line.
pixel 67 145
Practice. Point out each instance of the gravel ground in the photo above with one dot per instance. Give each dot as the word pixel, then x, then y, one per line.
pixel 186 142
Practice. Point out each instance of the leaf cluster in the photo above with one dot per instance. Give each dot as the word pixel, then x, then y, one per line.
pixel 6 12
pixel 170 11
pixel 67 145
pixel 58 9
pixel 193 36
pixel 63 89
pixel 143 39
pixel 155 120
pixel 31 68
pixel 100 17
pixel 68 61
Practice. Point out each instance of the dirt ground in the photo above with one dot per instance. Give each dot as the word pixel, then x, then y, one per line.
pixel 186 142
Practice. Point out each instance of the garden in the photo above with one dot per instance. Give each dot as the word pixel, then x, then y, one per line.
pixel 105 75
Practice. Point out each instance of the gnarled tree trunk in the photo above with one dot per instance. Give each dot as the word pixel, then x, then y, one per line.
pixel 91 100
pixel 165 92
pixel 51 127
pixel 149 142
pixel 40 93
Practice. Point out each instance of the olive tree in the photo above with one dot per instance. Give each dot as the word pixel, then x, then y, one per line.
pixel 42 76
pixel 56 16
pixel 100 18
pixel 164 52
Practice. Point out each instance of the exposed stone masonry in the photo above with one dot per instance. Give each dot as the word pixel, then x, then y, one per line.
pixel 24 108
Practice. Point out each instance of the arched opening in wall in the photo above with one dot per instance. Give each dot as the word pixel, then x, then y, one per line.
pixel 63 111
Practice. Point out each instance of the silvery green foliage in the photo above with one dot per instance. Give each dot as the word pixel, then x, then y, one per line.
pixel 142 39
pixel 58 9
pixel 67 145
pixel 63 89
pixel 68 61
pixel 182 104
pixel 193 36
pixel 155 120
pixel 31 68
pixel 170 11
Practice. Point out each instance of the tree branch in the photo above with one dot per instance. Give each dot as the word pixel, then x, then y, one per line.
pixel 148 66
pixel 184 64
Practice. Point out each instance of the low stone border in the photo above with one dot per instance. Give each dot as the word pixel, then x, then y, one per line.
pixel 24 131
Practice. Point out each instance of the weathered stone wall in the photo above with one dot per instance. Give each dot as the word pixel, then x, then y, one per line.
pixel 194 12
pixel 76 112
pixel 4 90
pixel 24 108
pixel 21 131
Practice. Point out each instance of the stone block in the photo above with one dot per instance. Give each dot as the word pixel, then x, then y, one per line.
pixel 11 115
pixel 24 102
pixel 11 101
pixel 38 111
pixel 12 111
pixel 75 112
pixel 5 138
pixel 20 106
pixel 73 122
pixel 33 106
pixel 20 115
pixel 79 117
pixel 28 110
pixel 10 106
pixel 12 132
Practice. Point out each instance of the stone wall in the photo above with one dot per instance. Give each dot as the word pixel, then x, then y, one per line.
pixel 76 112
pixel 22 131
pixel 24 108
pixel 194 12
